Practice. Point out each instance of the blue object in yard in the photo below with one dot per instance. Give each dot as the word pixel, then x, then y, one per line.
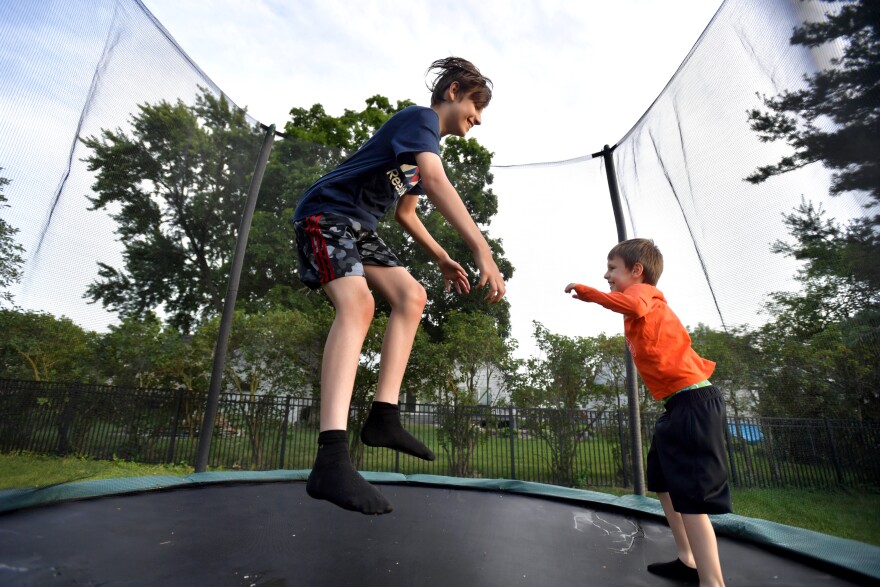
pixel 751 433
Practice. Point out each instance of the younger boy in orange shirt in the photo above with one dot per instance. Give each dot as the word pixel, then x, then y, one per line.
pixel 687 463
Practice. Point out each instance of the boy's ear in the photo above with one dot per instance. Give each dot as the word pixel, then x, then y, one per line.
pixel 638 270
pixel 452 92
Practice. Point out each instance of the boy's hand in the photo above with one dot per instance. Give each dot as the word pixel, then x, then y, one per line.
pixel 490 278
pixel 454 275
pixel 570 288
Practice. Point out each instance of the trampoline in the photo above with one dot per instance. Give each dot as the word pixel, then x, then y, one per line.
pixel 262 529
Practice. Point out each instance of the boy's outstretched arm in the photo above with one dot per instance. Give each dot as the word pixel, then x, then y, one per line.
pixel 622 303
pixel 453 274
pixel 444 196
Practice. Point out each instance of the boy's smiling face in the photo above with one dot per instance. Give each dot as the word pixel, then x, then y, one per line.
pixel 619 277
pixel 458 114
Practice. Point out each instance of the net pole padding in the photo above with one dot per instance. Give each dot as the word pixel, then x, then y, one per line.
pixel 632 392
pixel 222 344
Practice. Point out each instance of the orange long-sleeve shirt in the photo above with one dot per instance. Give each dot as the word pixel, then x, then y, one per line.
pixel 659 343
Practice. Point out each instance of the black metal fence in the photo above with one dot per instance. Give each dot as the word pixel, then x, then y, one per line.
pixel 566 447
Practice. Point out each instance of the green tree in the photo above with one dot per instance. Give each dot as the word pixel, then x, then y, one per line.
pixel 561 380
pixel 270 354
pixel 40 347
pixel 822 342
pixel 822 346
pixel 10 251
pixel 563 374
pixel 738 365
pixel 846 96
pixel 460 372
pixel 145 353
pixel 176 186
pixel 480 354
pixel 611 371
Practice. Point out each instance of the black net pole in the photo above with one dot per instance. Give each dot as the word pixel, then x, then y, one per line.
pixel 244 230
pixel 632 392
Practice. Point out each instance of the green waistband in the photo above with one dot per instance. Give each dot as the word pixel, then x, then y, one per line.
pixel 703 383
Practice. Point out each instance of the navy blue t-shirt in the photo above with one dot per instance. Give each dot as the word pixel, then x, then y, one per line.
pixel 368 183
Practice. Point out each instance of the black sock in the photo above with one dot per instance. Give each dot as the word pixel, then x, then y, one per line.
pixel 335 479
pixel 676 570
pixel 383 428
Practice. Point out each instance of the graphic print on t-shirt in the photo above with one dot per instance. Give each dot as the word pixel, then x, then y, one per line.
pixel 403 179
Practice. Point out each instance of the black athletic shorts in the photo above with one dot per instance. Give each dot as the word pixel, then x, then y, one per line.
pixel 688 457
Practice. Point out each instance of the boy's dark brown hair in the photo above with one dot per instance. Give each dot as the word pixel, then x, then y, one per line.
pixel 471 82
pixel 640 250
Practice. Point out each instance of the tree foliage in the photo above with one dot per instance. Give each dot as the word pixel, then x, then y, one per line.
pixel 146 353
pixel 467 366
pixel 40 347
pixel 10 251
pixel 835 121
pixel 563 375
pixel 822 344
pixel 836 118
pixel 176 186
pixel 738 365
pixel 563 379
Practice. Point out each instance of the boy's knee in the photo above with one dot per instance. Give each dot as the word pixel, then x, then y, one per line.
pixel 360 305
pixel 420 297
pixel 367 306
pixel 412 300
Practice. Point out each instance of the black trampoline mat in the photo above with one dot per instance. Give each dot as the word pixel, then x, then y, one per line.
pixel 274 534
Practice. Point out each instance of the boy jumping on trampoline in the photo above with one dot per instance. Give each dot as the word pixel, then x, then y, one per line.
pixel 339 251
pixel 687 463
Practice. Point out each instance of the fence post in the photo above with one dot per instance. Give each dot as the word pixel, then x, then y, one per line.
pixel 623 466
pixel 178 402
pixel 729 443
pixel 284 426
pixel 67 416
pixel 775 473
pixel 511 427
pixel 836 459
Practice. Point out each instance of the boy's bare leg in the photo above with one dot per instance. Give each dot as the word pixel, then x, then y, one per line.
pixel 407 299
pixel 354 312
pixel 333 477
pixel 679 533
pixel 702 539
pixel 696 545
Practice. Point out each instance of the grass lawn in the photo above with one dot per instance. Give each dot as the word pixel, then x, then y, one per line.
pixel 28 470
pixel 846 513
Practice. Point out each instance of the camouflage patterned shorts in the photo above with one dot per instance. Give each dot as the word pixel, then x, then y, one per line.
pixel 331 246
